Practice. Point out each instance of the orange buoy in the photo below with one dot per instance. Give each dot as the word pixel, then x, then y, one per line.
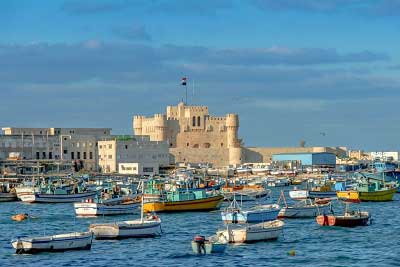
pixel 20 217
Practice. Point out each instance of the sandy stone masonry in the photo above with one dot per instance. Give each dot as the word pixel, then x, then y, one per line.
pixel 193 134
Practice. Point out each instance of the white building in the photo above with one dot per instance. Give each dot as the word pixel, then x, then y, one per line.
pixel 381 155
pixel 133 155
pixel 78 145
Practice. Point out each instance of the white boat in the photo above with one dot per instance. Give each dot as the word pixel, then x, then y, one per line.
pixel 298 194
pixel 148 227
pixel 246 194
pixel 62 242
pixel 304 209
pixel 236 233
pixel 143 227
pixel 32 197
pixel 7 192
pixel 123 205
pixel 262 213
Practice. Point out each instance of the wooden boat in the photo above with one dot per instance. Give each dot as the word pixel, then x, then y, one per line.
pixel 7 192
pixel 143 227
pixel 304 209
pixel 297 194
pixel 237 233
pixel 245 192
pixel 54 243
pixel 147 227
pixel 88 208
pixel 349 219
pixel 184 200
pixel 212 244
pixel 60 196
pixel 262 213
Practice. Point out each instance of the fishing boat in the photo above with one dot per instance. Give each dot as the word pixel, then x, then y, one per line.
pixel 245 192
pixel 53 194
pixel 370 189
pixel 92 208
pixel 143 227
pixel 247 233
pixel 304 209
pixel 7 192
pixel 212 244
pixel 298 194
pixel 54 243
pixel 113 200
pixel 260 213
pixel 179 199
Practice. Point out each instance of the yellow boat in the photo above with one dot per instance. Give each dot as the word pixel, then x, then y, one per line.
pixel 380 195
pixel 207 203
pixel 348 195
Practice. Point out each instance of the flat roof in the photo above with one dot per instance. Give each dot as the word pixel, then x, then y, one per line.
pixel 303 153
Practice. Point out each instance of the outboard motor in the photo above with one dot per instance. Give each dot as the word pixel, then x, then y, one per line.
pixel 200 240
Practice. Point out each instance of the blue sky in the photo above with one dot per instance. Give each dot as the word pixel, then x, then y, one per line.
pixel 292 69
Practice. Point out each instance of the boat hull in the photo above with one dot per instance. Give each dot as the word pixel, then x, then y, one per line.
pixel 253 233
pixel 251 216
pixel 209 248
pixel 343 221
pixel 7 197
pixel 376 196
pixel 127 229
pixel 98 209
pixel 209 203
pixel 56 243
pixel 303 212
pixel 32 197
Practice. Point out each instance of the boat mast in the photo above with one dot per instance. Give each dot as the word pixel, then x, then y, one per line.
pixel 141 212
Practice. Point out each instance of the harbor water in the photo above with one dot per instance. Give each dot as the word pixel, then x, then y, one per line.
pixel 374 245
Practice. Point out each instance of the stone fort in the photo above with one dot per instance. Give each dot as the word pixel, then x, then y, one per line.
pixel 193 134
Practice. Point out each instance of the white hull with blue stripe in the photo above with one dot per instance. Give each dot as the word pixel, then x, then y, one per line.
pixel 35 197
pixel 62 242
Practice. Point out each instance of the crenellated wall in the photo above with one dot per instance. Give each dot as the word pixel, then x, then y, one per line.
pixel 191 129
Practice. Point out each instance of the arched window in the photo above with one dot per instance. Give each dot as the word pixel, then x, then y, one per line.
pixel 198 121
pixel 194 121
pixel 207 145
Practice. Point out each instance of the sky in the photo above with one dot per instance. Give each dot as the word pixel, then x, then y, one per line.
pixel 323 71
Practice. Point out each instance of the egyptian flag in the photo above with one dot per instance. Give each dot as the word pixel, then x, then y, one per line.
pixel 183 81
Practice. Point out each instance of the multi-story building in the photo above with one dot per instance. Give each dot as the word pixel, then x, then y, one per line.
pixel 132 155
pixel 193 134
pixel 78 145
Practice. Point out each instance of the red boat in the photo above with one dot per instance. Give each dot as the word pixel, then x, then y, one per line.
pixel 349 219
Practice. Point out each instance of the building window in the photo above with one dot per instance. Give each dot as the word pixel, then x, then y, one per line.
pixel 50 155
pixel 198 121
pixel 84 155
pixel 187 144
pixel 126 146
pixel 109 156
pixel 194 121
pixel 72 155
pixel 148 169
pixel 91 155
pixel 109 146
pixel 43 155
pixel 196 146
pixel 37 155
pixel 65 151
pixel 222 144
pixel 207 145
pixel 78 156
